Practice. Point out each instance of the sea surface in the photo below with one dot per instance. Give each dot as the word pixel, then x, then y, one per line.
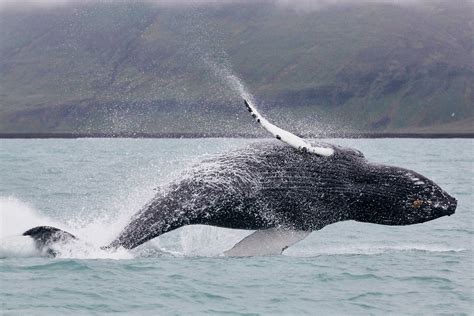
pixel 91 187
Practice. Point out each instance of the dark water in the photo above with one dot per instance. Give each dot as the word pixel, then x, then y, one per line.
pixel 92 186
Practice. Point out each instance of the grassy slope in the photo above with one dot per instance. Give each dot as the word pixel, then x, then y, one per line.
pixel 141 68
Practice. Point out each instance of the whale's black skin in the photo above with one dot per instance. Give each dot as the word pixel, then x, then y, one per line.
pixel 47 236
pixel 271 185
pixel 275 186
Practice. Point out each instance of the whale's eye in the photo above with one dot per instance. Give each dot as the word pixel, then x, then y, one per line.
pixel 417 203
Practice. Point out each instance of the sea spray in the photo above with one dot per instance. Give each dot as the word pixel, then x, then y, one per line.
pixel 16 217
pixel 223 71
pixel 204 47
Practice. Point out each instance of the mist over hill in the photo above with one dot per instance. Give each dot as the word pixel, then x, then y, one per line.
pixel 157 68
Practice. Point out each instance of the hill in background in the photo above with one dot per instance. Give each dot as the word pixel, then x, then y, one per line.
pixel 148 68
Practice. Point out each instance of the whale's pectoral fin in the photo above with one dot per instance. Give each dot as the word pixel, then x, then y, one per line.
pixel 266 242
pixel 45 236
pixel 285 136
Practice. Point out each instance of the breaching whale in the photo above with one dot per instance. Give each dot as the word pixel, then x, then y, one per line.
pixel 284 190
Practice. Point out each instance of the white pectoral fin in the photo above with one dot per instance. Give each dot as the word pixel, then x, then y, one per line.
pixel 266 242
pixel 285 136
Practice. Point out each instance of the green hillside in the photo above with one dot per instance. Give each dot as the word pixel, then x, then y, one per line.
pixel 140 67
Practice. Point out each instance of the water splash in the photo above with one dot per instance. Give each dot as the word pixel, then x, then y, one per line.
pixel 17 216
pixel 206 50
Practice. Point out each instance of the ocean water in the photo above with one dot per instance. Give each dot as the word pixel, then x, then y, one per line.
pixel 91 187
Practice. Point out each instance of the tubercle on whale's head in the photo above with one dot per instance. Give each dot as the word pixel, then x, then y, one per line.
pixel 397 196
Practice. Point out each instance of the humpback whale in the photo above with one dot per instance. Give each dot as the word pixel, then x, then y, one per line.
pixel 283 189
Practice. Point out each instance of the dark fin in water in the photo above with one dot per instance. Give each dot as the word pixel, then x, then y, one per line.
pixel 45 236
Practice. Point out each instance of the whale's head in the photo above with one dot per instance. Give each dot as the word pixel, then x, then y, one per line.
pixel 395 196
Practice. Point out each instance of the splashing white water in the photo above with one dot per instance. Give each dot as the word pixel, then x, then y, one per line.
pixel 17 217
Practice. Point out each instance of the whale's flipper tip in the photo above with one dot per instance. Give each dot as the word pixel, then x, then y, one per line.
pixel 45 236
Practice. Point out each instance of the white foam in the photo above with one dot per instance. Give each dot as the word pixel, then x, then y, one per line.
pixel 80 249
pixel 16 217
pixel 18 246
